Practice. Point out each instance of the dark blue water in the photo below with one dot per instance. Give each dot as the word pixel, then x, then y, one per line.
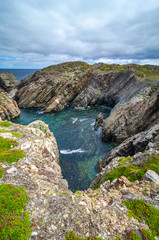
pixel 20 74
pixel 79 145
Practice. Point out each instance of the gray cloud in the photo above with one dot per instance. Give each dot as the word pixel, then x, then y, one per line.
pixel 37 33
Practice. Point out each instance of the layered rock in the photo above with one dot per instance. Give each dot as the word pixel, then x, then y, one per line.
pixel 132 145
pixel 53 209
pixel 139 113
pixel 53 87
pixel 136 151
pixel 8 107
pixel 123 87
pixel 77 84
pixel 8 81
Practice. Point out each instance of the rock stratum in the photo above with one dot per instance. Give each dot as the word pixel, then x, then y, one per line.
pixel 54 210
pixel 8 107
pixel 131 90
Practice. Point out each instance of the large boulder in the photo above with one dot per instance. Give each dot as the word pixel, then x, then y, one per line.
pixel 8 107
pixel 8 81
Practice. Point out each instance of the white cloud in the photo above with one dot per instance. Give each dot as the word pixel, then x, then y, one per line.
pixel 40 33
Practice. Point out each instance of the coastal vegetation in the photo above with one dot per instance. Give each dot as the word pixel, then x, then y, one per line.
pixel 14 220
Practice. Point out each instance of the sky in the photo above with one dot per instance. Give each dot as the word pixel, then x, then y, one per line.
pixel 39 33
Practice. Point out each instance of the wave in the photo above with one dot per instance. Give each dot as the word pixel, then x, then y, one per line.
pixel 74 120
pixel 68 151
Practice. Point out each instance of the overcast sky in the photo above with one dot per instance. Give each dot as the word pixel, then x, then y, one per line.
pixel 38 33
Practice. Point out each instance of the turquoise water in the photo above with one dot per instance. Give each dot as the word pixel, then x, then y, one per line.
pixel 79 145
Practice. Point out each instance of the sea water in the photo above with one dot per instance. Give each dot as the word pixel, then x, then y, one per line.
pixel 80 147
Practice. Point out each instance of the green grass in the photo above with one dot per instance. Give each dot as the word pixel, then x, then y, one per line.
pixel 15 134
pixel 131 172
pixel 72 236
pixel 1 171
pixel 147 235
pixel 144 212
pixel 78 192
pixel 5 124
pixel 132 236
pixel 14 220
pixel 7 154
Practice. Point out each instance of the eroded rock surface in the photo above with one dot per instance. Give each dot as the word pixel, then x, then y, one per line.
pixel 139 113
pixel 8 107
pixel 8 81
pixel 54 210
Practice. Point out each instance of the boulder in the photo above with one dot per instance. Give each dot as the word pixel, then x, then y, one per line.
pixel 8 107
pixel 99 121
pixel 8 81
pixel 151 176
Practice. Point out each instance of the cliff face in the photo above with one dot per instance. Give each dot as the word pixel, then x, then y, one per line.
pixel 53 209
pixel 8 107
pixel 133 116
pixel 128 89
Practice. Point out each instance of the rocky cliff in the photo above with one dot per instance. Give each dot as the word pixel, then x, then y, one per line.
pixel 8 81
pixel 131 90
pixel 8 107
pixel 54 211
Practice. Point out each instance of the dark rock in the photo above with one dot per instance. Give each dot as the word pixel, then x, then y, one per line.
pixel 8 81
pixel 99 121
pixel 139 113
pixel 131 146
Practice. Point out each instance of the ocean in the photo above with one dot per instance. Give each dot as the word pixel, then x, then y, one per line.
pixel 80 147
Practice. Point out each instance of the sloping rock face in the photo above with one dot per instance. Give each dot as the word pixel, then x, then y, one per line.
pixel 8 107
pixel 128 89
pixel 8 81
pixel 132 145
pixel 139 113
pixel 54 210
pixel 77 84
pixel 53 87
pixel 136 150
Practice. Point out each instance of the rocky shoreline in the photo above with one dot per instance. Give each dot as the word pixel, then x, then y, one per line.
pixel 129 172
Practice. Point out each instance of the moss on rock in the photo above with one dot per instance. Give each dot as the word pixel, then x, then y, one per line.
pixel 14 220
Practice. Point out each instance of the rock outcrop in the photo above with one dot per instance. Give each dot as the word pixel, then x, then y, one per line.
pixel 8 107
pixel 135 151
pixel 8 81
pixel 128 89
pixel 132 145
pixel 139 113
pixel 53 209
pixel 53 87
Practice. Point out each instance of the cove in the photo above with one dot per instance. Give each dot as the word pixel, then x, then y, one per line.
pixel 80 147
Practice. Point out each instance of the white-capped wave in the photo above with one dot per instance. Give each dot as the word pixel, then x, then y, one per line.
pixel 74 120
pixel 40 112
pixel 68 151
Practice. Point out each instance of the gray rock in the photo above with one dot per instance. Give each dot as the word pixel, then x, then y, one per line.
pixel 8 81
pixel 99 121
pixel 151 176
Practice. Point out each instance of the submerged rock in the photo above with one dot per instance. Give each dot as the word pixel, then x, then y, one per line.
pixel 8 107
pixel 8 81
